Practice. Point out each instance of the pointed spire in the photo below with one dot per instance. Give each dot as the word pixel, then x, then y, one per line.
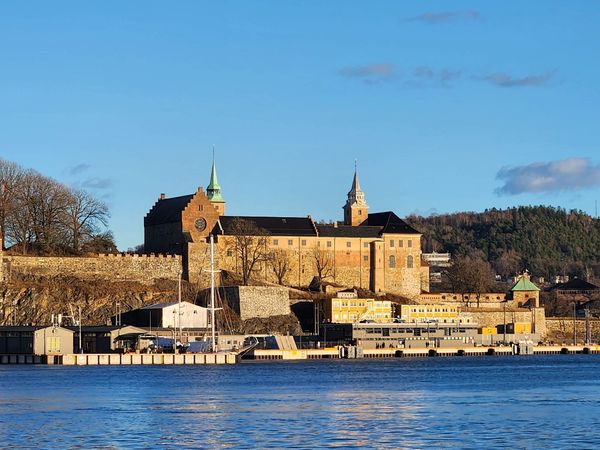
pixel 356 195
pixel 213 191
pixel 355 183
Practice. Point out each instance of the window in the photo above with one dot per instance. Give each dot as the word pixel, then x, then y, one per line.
pixel 348 244
pixel 290 242
pixel 392 261
pixel 229 252
pixel 304 242
pixel 409 244
pixel 392 243
pixel 409 261
pixel 366 245
pixel 328 244
pixel 275 241
pixel 400 243
pixel 201 208
pixel 365 258
pixel 360 212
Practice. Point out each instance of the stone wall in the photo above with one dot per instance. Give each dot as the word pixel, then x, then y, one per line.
pixel 560 329
pixel 257 301
pixel 120 267
pixel 495 317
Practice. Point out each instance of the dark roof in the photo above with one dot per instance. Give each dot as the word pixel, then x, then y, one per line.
pixel 576 284
pixel 275 226
pixel 167 210
pixel 348 231
pixel 390 223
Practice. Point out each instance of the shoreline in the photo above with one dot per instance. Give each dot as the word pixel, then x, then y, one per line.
pixel 93 359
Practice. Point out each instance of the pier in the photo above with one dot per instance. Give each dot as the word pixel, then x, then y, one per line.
pixel 95 359
pixel 334 352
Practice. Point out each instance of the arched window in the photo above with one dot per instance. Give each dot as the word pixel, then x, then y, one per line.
pixel 392 261
pixel 409 262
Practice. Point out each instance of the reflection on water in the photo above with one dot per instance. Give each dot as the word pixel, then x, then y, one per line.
pixel 487 402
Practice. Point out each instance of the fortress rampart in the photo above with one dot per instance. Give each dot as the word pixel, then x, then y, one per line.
pixel 117 267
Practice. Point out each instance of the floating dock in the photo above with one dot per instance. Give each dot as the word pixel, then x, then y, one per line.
pixel 98 359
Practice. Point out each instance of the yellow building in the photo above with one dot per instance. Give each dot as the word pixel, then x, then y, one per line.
pixel 376 251
pixel 348 308
pixel 438 313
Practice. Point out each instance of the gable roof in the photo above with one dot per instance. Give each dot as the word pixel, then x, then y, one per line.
pixel 275 226
pixel 576 284
pixel 167 210
pixel 390 223
pixel 524 285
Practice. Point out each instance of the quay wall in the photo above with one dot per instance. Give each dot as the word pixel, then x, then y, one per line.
pixel 561 328
pixel 115 267
pixel 495 317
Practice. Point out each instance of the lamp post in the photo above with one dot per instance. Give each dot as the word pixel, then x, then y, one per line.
pixel 179 299
pixel 574 324
pixel 504 327
pixel 80 346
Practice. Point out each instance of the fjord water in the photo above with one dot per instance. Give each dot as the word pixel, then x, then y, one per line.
pixel 481 402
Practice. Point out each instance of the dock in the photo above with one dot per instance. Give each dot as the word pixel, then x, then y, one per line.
pixel 334 352
pixel 99 359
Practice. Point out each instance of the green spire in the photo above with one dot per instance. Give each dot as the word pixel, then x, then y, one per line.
pixel 213 191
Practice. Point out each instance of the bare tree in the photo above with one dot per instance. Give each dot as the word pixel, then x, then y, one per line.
pixel 11 176
pixel 508 264
pixel 280 264
pixel 85 215
pixel 40 214
pixel 249 244
pixel 470 276
pixel 323 263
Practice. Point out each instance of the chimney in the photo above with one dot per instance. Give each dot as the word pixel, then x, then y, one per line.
pixel 162 196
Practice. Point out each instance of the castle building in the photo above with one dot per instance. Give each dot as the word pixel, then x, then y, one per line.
pixel 376 251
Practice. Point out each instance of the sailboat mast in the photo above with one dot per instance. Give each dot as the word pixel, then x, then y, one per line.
pixel 212 293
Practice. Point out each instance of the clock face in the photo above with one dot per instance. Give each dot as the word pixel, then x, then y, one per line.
pixel 200 224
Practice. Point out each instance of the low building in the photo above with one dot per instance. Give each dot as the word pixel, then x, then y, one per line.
pixel 167 315
pixel 432 313
pixel 399 335
pixel 348 308
pixel 53 340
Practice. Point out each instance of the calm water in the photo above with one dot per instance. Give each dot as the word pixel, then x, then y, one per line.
pixel 485 402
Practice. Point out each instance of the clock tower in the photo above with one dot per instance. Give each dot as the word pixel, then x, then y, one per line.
pixel 356 209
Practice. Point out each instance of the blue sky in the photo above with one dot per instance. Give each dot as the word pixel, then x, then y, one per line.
pixel 447 106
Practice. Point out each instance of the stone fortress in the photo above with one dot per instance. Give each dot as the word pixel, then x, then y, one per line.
pixel 376 251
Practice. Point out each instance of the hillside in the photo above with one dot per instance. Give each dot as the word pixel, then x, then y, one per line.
pixel 546 240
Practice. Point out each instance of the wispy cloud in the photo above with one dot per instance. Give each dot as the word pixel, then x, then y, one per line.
pixel 370 73
pixel 554 176
pixel 439 17
pixel 427 74
pixel 505 80
pixel 78 169
pixel 96 183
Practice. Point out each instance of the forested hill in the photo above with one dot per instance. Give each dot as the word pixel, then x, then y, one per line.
pixel 546 240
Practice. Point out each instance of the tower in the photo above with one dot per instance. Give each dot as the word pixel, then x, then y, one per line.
pixel 356 209
pixel 213 191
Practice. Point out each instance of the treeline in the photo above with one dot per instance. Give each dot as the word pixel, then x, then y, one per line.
pixel 546 240
pixel 39 215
